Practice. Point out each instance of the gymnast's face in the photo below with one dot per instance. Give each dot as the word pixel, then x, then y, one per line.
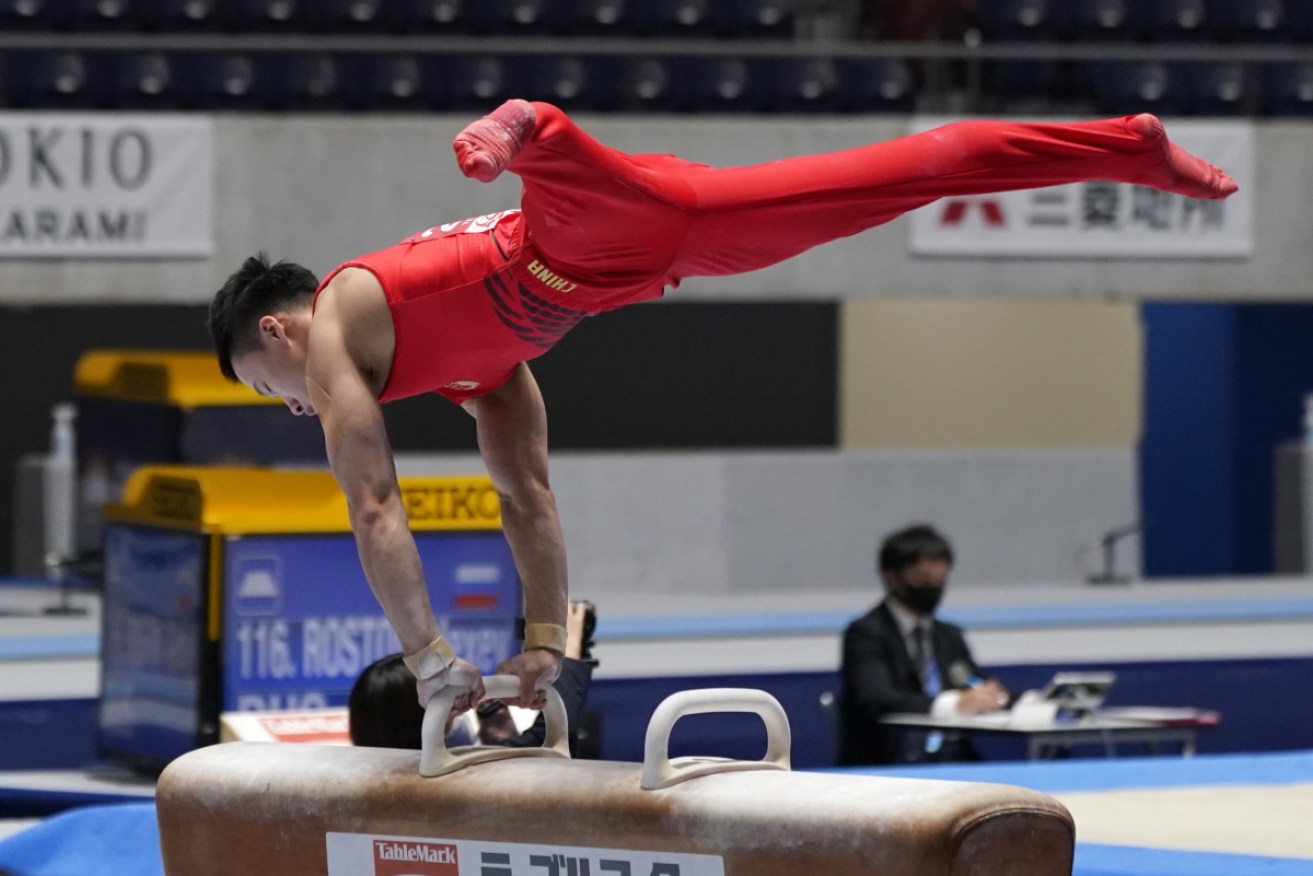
pixel 277 367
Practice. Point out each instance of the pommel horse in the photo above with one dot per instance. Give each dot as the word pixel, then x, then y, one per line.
pixel 279 809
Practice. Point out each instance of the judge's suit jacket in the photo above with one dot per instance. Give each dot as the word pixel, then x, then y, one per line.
pixel 879 677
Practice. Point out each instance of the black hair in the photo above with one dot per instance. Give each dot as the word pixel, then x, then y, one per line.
pixel 909 546
pixel 383 708
pixel 254 289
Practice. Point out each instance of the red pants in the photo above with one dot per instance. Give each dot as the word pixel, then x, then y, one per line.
pixel 624 226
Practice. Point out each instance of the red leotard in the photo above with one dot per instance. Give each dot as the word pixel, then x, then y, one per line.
pixel 601 228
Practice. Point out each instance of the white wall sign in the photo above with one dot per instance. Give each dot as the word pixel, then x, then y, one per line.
pixel 1102 218
pixel 358 854
pixel 105 185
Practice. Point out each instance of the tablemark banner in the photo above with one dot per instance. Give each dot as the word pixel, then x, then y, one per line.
pixel 1100 218
pixel 96 185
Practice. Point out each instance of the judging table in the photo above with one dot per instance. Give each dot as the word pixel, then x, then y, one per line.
pixel 1134 725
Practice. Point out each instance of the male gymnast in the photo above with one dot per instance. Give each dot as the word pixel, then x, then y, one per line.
pixel 459 309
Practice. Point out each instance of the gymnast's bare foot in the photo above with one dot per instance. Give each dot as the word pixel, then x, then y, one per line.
pixel 1180 172
pixel 486 147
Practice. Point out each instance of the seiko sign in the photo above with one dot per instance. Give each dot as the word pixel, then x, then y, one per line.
pixel 104 185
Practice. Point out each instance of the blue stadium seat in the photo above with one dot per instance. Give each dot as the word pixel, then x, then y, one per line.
pixel 1252 20
pixel 1125 87
pixel 428 16
pixel 219 81
pixel 1004 20
pixel 300 81
pixel 686 18
pixel 508 17
pixel 28 14
pixel 178 15
pixel 1107 19
pixel 1023 84
pixel 1177 20
pixel 564 80
pixel 1218 88
pixel 263 15
pixel 875 85
pixel 144 80
pixel 471 83
pixel 345 16
pixel 386 82
pixel 591 17
pixel 53 80
pixel 753 19
pixel 1287 89
pixel 99 14
pixel 1299 22
pixel 796 85
pixel 714 84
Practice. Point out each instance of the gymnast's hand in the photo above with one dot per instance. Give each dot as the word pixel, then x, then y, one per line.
pixel 536 668
pixel 460 674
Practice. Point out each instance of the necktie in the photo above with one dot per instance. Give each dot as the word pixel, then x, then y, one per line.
pixel 927 667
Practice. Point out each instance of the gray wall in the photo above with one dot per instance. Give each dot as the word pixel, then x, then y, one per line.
pixel 320 189
pixel 705 523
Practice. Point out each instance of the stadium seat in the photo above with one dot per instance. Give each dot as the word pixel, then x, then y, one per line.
pixel 386 82
pixel 1287 89
pixel 711 84
pixel 348 16
pixel 299 81
pixel 428 16
pixel 508 17
pixel 263 15
pixel 99 14
pixel 1106 19
pixel 753 19
pixel 1004 20
pixel 875 85
pixel 219 81
pixel 1177 20
pixel 27 14
pixel 178 15
pixel 1251 20
pixel 52 80
pixel 143 80
pixel 796 85
pixel 563 80
pixel 686 18
pixel 475 83
pixel 1217 89
pixel 591 17
pixel 1124 87
pixel 1023 85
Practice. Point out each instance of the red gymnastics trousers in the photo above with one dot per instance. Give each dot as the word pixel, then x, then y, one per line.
pixel 624 226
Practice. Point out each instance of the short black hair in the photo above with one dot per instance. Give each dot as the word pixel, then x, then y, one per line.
pixel 254 289
pixel 909 546
pixel 383 708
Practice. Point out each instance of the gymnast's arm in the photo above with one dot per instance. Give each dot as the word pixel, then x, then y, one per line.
pixel 512 432
pixel 361 458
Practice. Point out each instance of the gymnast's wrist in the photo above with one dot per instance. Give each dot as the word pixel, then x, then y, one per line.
pixel 549 637
pixel 430 660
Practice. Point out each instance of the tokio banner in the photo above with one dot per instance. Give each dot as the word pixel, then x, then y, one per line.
pixel 96 185
pixel 1100 218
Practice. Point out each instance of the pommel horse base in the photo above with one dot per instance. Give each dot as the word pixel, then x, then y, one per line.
pixel 274 809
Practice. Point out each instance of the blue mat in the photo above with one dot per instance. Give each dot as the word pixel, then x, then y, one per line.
pixel 1096 860
pixel 117 840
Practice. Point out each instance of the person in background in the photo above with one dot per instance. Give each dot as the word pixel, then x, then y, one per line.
pixel 385 713
pixel 900 658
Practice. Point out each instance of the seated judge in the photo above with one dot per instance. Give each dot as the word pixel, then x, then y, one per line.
pixel 900 658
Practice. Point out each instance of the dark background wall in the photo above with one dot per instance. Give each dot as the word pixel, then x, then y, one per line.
pixel 1224 388
pixel 666 375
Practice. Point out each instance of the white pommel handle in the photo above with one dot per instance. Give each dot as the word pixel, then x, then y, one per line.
pixel 435 759
pixel 659 771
